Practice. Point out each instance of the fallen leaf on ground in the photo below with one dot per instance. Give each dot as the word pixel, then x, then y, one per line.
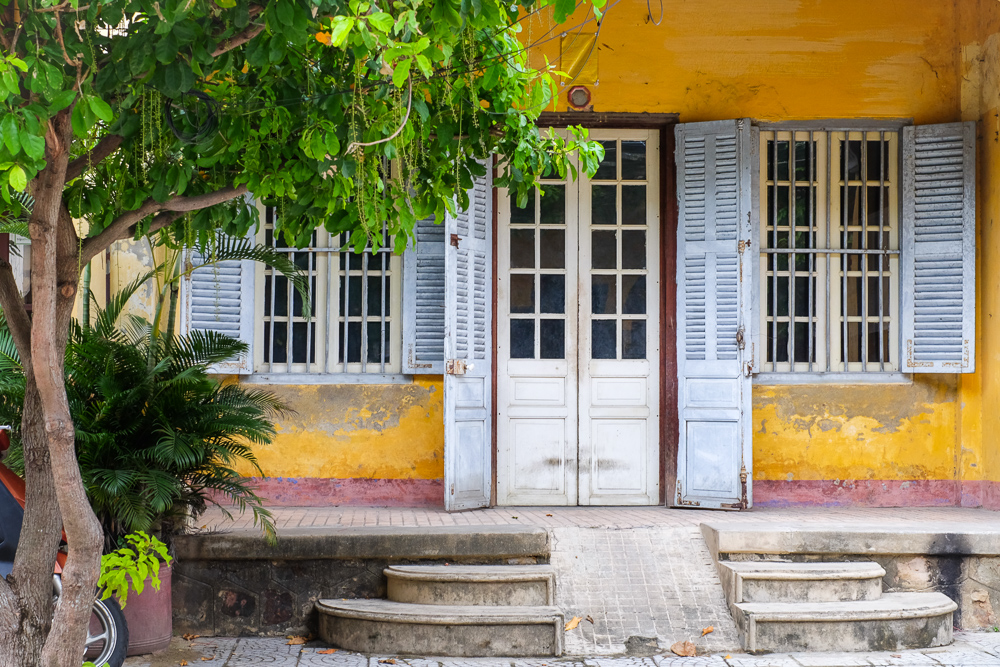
pixel 183 663
pixel 189 637
pixel 295 641
pixel 548 515
pixel 710 628
pixel 327 651
pixel 390 661
pixel 513 517
pixel 571 625
pixel 683 649
pixel 896 655
pixel 728 656
pixel 591 619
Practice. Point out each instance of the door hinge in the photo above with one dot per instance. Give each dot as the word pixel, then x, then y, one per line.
pixel 740 343
pixel 744 502
pixel 681 501
pixel 452 489
pixel 743 246
pixel 456 367
pixel 455 239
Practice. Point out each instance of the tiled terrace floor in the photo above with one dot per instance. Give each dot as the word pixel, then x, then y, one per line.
pixel 600 517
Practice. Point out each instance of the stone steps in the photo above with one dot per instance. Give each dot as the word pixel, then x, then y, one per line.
pixel 452 610
pixel 893 622
pixel 810 606
pixel 491 585
pixel 769 581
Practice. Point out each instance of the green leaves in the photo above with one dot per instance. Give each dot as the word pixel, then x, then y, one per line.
pixel 9 133
pixel 340 29
pixel 140 562
pixel 17 178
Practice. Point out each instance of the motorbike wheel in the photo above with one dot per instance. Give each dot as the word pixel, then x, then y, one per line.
pixel 107 636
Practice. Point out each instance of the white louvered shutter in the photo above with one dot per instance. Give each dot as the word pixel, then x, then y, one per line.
pixel 938 258
pixel 468 433
pixel 220 297
pixel 423 300
pixel 714 313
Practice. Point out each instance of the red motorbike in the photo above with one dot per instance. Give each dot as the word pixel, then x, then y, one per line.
pixel 107 636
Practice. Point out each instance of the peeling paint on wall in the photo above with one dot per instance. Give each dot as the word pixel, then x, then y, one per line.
pixel 359 431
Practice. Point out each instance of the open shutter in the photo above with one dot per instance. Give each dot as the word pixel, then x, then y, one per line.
pixel 468 349
pixel 220 297
pixel 714 313
pixel 938 258
pixel 423 300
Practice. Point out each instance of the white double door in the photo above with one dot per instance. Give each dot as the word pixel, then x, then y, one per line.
pixel 578 342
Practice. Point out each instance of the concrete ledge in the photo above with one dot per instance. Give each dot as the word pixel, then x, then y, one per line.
pixel 930 539
pixel 379 542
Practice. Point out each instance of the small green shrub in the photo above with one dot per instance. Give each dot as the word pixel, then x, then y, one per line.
pixel 137 562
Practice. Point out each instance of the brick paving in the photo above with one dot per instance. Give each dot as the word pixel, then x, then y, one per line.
pixel 969 649
pixel 597 517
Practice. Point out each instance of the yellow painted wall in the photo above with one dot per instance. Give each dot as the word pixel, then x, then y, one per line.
pixel 780 60
pixel 359 431
pixel 930 61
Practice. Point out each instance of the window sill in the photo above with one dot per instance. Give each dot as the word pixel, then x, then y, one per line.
pixel 327 378
pixel 832 378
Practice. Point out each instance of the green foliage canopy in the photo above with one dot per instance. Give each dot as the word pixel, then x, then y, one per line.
pixel 303 102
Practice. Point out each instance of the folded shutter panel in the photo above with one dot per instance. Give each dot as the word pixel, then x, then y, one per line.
pixel 468 348
pixel 714 280
pixel 938 256
pixel 220 297
pixel 423 300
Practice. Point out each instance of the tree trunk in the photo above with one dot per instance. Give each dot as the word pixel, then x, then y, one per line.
pixel 54 276
pixel 31 580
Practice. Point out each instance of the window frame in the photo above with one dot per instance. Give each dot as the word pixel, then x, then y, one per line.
pixel 852 375
pixel 329 370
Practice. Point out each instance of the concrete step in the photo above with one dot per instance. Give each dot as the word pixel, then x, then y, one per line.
pixel 490 585
pixel 770 581
pixel 389 627
pixel 893 622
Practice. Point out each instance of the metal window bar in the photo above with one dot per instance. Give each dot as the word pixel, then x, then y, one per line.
pixel 858 219
pixel 336 279
pixel 883 159
pixel 844 213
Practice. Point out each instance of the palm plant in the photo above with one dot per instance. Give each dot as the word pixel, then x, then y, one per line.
pixel 157 437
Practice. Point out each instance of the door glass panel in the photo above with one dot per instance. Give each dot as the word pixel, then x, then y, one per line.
pixel 522 339
pixel 633 250
pixel 553 294
pixel 522 248
pixel 633 339
pixel 633 204
pixel 634 295
pixel 552 205
pixel 603 339
pixel 608 171
pixel 553 339
pixel 634 160
pixel 552 244
pixel 604 250
pixel 603 294
pixel 604 204
pixel 522 216
pixel 522 293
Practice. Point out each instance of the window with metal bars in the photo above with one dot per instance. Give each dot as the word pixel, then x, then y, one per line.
pixel 829 251
pixel 354 301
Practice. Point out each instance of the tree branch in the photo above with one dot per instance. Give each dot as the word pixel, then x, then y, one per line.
pixel 105 147
pixel 18 322
pixel 239 39
pixel 123 226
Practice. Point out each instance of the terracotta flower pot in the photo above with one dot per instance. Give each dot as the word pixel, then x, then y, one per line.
pixel 150 617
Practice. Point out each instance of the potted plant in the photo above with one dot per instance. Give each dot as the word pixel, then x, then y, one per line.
pixel 136 566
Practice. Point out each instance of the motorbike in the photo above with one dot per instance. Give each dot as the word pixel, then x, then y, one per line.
pixel 107 634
